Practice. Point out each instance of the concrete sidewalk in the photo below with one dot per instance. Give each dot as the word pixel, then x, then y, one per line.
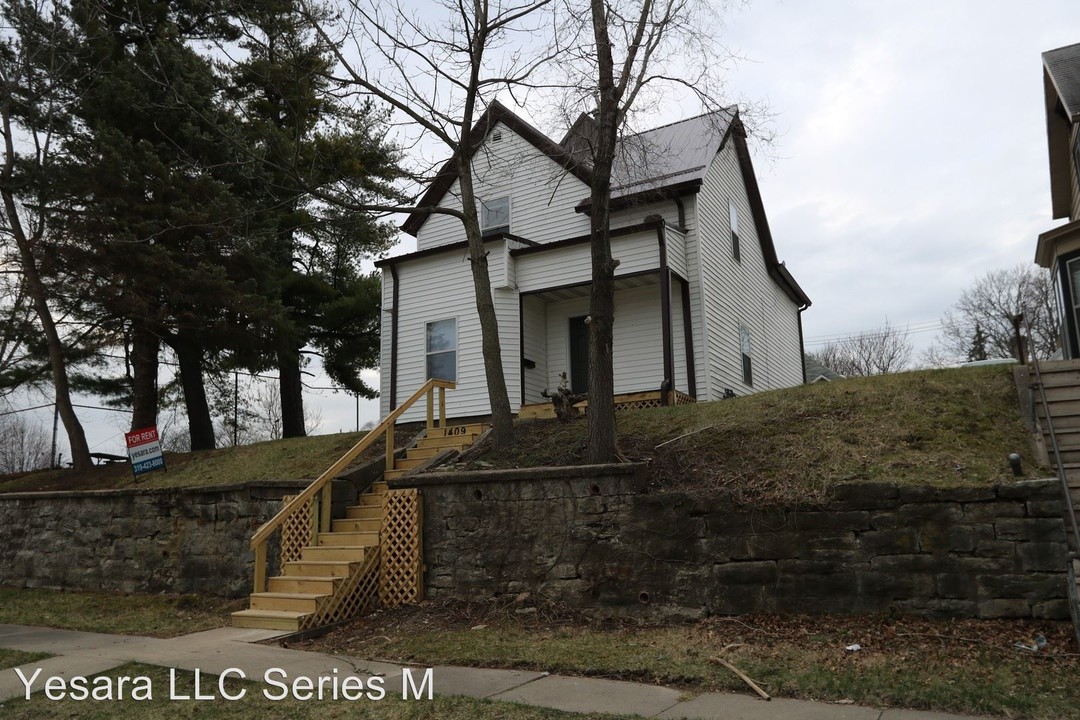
pixel 214 651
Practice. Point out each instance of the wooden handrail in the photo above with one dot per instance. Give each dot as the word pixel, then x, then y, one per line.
pixel 264 532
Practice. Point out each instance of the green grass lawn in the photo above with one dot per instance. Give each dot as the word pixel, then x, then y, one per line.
pixel 936 427
pixel 13 658
pixel 294 458
pixel 965 666
pixel 151 615
pixel 253 706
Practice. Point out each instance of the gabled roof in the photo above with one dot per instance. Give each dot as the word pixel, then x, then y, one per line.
pixel 1063 67
pixel 1061 87
pixel 495 113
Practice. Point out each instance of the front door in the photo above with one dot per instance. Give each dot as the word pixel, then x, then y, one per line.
pixel 579 355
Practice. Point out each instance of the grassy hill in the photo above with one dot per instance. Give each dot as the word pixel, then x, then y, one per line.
pixel 938 427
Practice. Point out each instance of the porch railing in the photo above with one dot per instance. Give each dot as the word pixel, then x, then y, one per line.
pixel 319 492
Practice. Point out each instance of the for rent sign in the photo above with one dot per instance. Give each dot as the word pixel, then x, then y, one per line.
pixel 144 449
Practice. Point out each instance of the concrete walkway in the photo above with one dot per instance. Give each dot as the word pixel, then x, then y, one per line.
pixel 214 651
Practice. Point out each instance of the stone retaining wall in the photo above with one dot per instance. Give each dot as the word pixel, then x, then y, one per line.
pixel 176 540
pixel 599 538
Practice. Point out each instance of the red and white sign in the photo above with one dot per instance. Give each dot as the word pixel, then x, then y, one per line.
pixel 144 450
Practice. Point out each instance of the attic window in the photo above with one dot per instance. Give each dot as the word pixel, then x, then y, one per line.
pixel 733 214
pixel 496 136
pixel 495 215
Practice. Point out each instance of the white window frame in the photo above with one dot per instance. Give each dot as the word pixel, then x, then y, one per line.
pixel 486 228
pixel 428 352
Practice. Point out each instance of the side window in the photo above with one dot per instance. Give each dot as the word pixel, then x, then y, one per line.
pixel 747 369
pixel 733 214
pixel 441 347
pixel 1076 155
pixel 495 215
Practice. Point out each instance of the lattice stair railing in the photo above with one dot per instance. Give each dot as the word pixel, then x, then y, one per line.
pixel 400 543
pixel 298 530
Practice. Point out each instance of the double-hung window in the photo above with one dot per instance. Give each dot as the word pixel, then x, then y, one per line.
pixel 441 347
pixel 495 215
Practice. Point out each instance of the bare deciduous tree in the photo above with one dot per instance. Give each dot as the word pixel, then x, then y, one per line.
pixel 24 444
pixel 626 55
pixel 874 352
pixel 439 72
pixel 994 313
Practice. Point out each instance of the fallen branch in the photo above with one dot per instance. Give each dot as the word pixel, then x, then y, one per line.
pixel 692 432
pixel 742 676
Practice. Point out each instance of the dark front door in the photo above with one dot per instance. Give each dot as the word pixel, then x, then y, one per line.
pixel 579 355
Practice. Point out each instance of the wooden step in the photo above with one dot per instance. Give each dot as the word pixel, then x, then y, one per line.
pixel 289 601
pixel 311 569
pixel 393 474
pixel 333 552
pixel 352 525
pixel 268 619
pixel 445 442
pixel 364 512
pixel 311 584
pixel 349 539
pixel 378 487
pixel 1060 408
pixel 408 464
pixel 371 500
pixel 425 453
pixel 456 430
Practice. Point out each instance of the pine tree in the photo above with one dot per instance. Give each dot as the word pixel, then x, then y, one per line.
pixel 978 349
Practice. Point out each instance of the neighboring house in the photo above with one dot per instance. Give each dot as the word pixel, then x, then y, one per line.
pixel 815 371
pixel 702 303
pixel 1059 249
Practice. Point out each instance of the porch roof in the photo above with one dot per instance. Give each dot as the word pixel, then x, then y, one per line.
pixel 1058 241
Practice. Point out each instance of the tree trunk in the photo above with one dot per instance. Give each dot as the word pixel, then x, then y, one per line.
pixel 80 451
pixel 292 394
pixel 200 424
pixel 502 420
pixel 145 346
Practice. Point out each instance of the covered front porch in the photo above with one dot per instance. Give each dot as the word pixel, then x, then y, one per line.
pixel 1059 251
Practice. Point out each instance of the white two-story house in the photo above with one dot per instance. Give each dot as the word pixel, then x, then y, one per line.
pixel 703 306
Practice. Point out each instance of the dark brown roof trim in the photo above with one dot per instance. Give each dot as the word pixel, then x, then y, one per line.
pixel 460 245
pixel 778 272
pixel 495 113
pixel 580 239
pixel 687 187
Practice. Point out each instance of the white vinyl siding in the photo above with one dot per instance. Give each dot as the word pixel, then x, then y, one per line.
pixel 534 315
pixel 572 264
pixel 439 287
pixel 741 291
pixel 542 194
pixel 637 346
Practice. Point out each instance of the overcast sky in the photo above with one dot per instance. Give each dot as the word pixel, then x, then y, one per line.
pixel 911 155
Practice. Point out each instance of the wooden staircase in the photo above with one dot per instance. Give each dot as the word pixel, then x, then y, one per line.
pixel 1055 390
pixel 314 584
pixel 333 569
pixel 435 442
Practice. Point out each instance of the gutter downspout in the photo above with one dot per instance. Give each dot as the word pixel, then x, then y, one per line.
pixel 394 337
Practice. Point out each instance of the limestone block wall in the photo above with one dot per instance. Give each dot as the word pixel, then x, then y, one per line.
pixel 601 538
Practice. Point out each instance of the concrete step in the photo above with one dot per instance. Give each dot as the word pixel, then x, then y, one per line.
pixel 288 601
pixel 308 584
pixel 307 569
pixel 349 539
pixel 353 525
pixel 268 619
pixel 333 552
pixel 364 512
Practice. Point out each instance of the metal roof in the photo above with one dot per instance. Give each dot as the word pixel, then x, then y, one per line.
pixel 1063 67
pixel 669 154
